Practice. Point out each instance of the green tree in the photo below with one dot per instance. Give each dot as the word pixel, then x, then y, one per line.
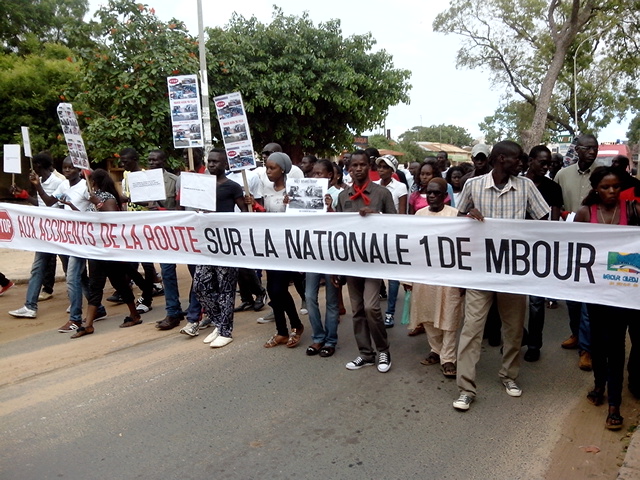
pixel 124 99
pixel 633 134
pixel 306 87
pixel 450 134
pixel 529 46
pixel 25 24
pixel 31 87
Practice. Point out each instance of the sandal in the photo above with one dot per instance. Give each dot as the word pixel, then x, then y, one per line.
pixel 276 340
pixel 294 337
pixel 130 322
pixel 596 396
pixel 614 421
pixel 417 331
pixel 449 370
pixel 431 359
pixel 327 351
pixel 314 349
pixel 82 331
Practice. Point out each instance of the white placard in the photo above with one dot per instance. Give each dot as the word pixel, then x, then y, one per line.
pixel 235 131
pixel 26 142
pixel 198 191
pixel 306 195
pixel 12 159
pixel 147 186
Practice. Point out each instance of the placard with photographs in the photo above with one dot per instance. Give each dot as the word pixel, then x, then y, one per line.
pixel 306 195
pixel 186 115
pixel 235 131
pixel 72 136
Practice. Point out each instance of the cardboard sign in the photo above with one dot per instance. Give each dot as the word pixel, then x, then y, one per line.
pixel 235 131
pixel 198 191
pixel 147 186
pixel 186 117
pixel 12 159
pixel 26 142
pixel 306 195
pixel 72 136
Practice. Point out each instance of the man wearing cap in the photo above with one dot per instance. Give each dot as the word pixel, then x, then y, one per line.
pixel 387 165
pixel 480 157
pixel 366 197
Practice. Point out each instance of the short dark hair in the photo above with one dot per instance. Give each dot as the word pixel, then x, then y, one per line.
pixel 43 159
pixel 163 155
pixel 537 149
pixel 586 136
pixel 129 152
pixel 506 147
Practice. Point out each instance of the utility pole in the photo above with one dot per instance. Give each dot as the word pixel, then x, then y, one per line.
pixel 204 86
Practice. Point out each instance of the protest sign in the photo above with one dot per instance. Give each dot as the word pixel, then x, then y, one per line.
pixel 72 136
pixel 575 261
pixel 12 159
pixel 198 191
pixel 26 142
pixel 147 186
pixel 235 131
pixel 186 116
pixel 306 195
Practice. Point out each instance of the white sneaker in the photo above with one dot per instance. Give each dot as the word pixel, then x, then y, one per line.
pixel 205 323
pixel 221 341
pixel 269 317
pixel 512 388
pixel 463 402
pixel 303 308
pixel 384 362
pixel 23 312
pixel 141 307
pixel 44 296
pixel 358 363
pixel 212 336
pixel 191 329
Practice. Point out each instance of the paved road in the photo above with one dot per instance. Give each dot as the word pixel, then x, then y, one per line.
pixel 137 403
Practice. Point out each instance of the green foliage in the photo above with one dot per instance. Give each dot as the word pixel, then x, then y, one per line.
pixel 633 134
pixel 381 141
pixel 25 24
pixel 124 99
pixel 517 42
pixel 306 87
pixel 450 134
pixel 31 87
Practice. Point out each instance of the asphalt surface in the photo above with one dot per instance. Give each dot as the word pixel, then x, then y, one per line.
pixel 129 403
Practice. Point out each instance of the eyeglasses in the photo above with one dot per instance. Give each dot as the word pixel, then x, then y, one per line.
pixel 585 148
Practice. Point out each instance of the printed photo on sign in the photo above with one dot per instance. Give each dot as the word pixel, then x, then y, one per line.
pixel 147 186
pixel 186 115
pixel 306 195
pixel 241 158
pixel 198 191
pixel 72 136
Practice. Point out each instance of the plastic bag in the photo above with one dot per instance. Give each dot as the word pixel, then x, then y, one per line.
pixel 406 309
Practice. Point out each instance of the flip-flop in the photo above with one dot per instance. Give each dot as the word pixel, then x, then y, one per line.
pixel 314 349
pixel 449 370
pixel 294 337
pixel 275 341
pixel 613 422
pixel 327 351
pixel 431 359
pixel 596 397
pixel 130 322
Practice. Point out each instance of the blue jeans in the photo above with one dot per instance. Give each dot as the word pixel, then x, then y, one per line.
pixel 579 324
pixel 171 293
pixel 77 281
pixel 38 267
pixel 394 287
pixel 327 334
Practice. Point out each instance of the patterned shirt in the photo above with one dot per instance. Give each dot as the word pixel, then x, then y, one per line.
pixel 517 198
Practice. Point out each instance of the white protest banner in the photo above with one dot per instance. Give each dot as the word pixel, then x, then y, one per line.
pixel 575 261
pixel 26 141
pixel 12 159
pixel 147 185
pixel 198 191
pixel 306 195
pixel 235 131
pixel 72 136
pixel 186 117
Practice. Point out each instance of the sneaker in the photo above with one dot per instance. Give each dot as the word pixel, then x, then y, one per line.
pixel 69 327
pixel 191 329
pixel 205 323
pixel 69 309
pixel 358 363
pixel 115 298
pixel 6 287
pixel 260 302
pixel 388 320
pixel 269 317
pixel 23 312
pixel 303 308
pixel 158 290
pixel 463 402
pixel 44 296
pixel 384 362
pixel 212 336
pixel 100 314
pixel 141 307
pixel 512 388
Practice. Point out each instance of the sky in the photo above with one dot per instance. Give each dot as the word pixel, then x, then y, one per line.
pixel 440 93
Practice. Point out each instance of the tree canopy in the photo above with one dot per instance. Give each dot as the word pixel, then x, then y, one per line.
pixel 528 47
pixel 306 87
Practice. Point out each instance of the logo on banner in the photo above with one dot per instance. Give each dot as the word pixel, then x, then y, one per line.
pixel 6 227
pixel 628 267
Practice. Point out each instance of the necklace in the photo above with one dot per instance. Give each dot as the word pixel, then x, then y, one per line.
pixel 615 210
